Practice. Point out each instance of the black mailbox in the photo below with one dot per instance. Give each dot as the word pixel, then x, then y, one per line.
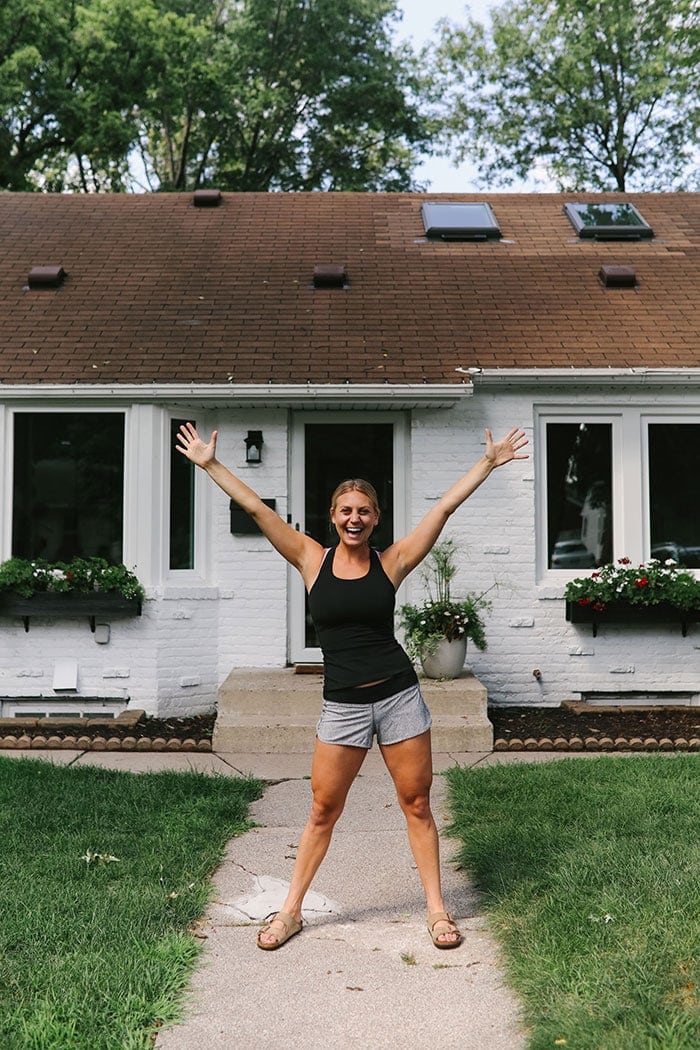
pixel 242 524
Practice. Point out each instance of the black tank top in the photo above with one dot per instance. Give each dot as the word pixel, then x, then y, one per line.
pixel 354 621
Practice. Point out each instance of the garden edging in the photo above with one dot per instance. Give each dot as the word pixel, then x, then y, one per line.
pixel 81 734
pixel 600 744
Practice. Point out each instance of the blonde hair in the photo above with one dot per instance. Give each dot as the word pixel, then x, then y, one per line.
pixel 356 485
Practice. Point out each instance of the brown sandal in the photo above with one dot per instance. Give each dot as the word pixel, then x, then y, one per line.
pixel 443 916
pixel 291 928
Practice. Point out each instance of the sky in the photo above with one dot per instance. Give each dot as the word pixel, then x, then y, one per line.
pixel 419 18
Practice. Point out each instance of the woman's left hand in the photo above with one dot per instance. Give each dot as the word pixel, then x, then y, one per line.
pixel 500 452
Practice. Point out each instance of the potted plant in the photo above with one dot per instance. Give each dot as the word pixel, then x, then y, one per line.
pixel 620 592
pixel 82 587
pixel 438 629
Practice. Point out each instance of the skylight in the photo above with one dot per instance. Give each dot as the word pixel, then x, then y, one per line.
pixel 608 222
pixel 460 222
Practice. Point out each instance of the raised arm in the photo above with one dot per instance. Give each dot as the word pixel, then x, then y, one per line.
pixel 402 556
pixel 300 551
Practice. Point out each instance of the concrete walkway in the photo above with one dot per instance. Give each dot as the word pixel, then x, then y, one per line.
pixel 363 973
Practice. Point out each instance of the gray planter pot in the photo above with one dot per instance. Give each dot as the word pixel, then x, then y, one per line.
pixel 447 659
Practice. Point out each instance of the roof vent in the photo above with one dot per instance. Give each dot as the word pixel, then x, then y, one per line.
pixel 206 198
pixel 46 276
pixel 330 275
pixel 618 276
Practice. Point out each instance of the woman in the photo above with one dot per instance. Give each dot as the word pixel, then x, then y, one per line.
pixel 370 686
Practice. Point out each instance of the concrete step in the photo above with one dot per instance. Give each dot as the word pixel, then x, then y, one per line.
pixel 276 711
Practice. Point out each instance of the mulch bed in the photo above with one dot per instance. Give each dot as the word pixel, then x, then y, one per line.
pixel 583 727
pixel 571 727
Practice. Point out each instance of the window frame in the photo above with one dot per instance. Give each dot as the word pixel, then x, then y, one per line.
pixel 646 420
pixel 201 498
pixel 9 414
pixel 613 232
pixel 146 485
pixel 554 416
pixel 489 231
pixel 630 475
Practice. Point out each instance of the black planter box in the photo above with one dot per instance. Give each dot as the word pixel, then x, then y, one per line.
pixel 69 606
pixel 636 615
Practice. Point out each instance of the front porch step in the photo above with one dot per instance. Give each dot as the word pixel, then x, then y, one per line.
pixel 276 711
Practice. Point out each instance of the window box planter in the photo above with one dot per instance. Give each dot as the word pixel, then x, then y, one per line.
pixel 69 606
pixel 627 612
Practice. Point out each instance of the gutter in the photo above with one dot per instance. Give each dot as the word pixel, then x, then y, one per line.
pixel 580 377
pixel 307 395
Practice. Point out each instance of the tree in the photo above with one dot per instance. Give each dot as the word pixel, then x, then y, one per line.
pixel 69 75
pixel 284 94
pixel 602 94
pixel 176 94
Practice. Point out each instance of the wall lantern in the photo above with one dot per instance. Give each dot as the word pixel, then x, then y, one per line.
pixel 253 446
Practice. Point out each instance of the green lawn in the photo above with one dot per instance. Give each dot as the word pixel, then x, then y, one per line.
pixel 591 876
pixel 102 877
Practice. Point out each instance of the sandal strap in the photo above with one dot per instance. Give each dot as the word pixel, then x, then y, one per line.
pixel 440 916
pixel 284 917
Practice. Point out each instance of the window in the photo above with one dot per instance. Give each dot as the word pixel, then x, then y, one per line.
pixel 625 483
pixel 674 492
pixel 579 495
pixel 608 222
pixel 460 222
pixel 68 485
pixel 181 504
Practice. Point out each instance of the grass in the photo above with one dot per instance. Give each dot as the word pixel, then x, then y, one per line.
pixel 591 876
pixel 103 876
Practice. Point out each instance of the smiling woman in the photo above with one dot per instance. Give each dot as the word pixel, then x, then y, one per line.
pixel 370 685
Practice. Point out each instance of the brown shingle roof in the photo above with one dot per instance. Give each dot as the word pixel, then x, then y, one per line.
pixel 160 291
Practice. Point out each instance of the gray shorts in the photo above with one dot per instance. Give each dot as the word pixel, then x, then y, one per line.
pixel 397 718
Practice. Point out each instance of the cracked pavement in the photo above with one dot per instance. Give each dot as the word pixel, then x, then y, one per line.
pixel 363 972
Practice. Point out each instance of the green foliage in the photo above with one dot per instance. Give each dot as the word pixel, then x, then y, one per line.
pixel 81 575
pixel 595 95
pixel 108 874
pixel 646 584
pixel 589 876
pixel 70 75
pixel 440 616
pixel 241 94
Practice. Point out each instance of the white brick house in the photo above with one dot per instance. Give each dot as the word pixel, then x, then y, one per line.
pixel 167 311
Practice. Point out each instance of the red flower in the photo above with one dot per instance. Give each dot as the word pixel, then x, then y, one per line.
pixel 599 606
pixel 624 561
pixel 643 582
pixel 584 601
pixel 595 575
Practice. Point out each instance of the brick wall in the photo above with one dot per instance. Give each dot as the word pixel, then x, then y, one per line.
pixel 527 629
pixel 234 613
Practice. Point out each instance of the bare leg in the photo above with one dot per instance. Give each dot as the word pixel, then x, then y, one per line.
pixel 411 767
pixel 333 769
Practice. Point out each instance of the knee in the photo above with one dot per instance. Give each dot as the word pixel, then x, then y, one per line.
pixel 324 811
pixel 416 806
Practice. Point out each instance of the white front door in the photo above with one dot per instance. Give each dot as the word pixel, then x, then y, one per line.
pixel 327 448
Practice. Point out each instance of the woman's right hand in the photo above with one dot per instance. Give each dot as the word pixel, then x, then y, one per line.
pixel 191 445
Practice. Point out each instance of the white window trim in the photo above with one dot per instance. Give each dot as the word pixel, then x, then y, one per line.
pixel 197 575
pixel 7 439
pixel 630 474
pixel 145 539
pixel 657 416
